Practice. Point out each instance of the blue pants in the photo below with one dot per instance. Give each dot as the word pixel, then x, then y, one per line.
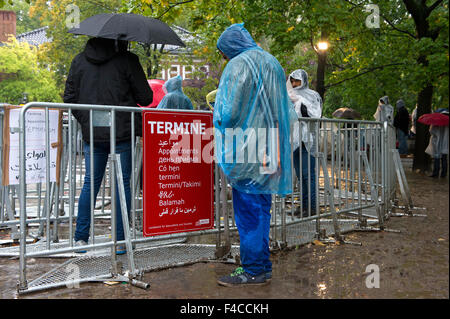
pixel 252 216
pixel 402 142
pixel 101 152
pixel 312 174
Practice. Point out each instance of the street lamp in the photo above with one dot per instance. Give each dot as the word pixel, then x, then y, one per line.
pixel 322 46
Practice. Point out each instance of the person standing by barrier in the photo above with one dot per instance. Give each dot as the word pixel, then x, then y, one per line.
pixel 175 97
pixel 401 123
pixel 438 148
pixel 307 103
pixel 385 111
pixel 106 73
pixel 252 107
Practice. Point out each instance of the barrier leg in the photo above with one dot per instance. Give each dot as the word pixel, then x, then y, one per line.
pixel 363 226
pixel 132 273
pixel 329 194
pixel 408 207
pixel 223 251
pixel 15 235
pixel 125 221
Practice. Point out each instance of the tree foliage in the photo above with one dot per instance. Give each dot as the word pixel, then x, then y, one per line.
pixel 59 17
pixel 19 63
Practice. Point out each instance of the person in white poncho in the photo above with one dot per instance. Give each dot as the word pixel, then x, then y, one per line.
pixel 385 111
pixel 307 103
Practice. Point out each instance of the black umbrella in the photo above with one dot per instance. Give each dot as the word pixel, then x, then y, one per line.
pixel 346 113
pixel 128 27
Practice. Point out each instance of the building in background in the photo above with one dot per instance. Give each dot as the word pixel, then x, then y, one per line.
pixel 7 24
pixel 176 66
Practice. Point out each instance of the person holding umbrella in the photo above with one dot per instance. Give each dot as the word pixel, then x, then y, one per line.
pixel 438 146
pixel 106 73
pixel 252 101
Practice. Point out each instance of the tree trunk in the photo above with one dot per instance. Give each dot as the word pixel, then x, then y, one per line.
pixel 420 13
pixel 322 60
pixel 320 85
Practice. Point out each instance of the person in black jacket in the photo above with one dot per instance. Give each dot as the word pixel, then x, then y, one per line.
pixel 401 123
pixel 106 73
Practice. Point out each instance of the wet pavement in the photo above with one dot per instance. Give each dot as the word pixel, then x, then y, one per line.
pixel 412 264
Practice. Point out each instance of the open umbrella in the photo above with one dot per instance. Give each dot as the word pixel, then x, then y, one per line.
pixel 128 27
pixel 435 119
pixel 158 92
pixel 346 113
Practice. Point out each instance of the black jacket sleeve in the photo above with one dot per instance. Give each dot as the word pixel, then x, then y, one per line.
pixel 71 90
pixel 139 85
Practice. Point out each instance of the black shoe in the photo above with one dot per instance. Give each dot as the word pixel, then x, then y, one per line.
pixel 436 167
pixel 444 165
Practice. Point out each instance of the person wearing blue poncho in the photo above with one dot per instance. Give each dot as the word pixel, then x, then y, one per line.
pixel 175 98
pixel 252 119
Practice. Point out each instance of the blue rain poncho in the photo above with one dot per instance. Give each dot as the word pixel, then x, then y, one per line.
pixel 175 98
pixel 252 117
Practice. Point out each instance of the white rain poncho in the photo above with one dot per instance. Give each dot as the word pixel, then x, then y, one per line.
pixel 175 98
pixel 252 117
pixel 385 111
pixel 313 103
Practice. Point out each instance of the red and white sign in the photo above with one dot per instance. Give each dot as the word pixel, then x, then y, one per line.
pixel 177 172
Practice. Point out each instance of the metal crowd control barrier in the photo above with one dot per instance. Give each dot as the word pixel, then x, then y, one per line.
pixel 350 163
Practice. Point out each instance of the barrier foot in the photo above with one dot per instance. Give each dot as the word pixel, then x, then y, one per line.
pixel 376 229
pixel 363 226
pixel 21 288
pixel 408 212
pixel 222 251
pixel 278 244
pixel 129 278
pixel 337 240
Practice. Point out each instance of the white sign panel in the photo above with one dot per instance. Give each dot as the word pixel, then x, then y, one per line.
pixel 35 151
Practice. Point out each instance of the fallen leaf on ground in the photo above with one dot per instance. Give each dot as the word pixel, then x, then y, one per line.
pixel 318 243
pixel 110 283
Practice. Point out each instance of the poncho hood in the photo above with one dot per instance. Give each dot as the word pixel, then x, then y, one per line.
pixel 235 40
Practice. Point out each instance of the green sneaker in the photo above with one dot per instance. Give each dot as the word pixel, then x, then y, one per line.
pixel 240 277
